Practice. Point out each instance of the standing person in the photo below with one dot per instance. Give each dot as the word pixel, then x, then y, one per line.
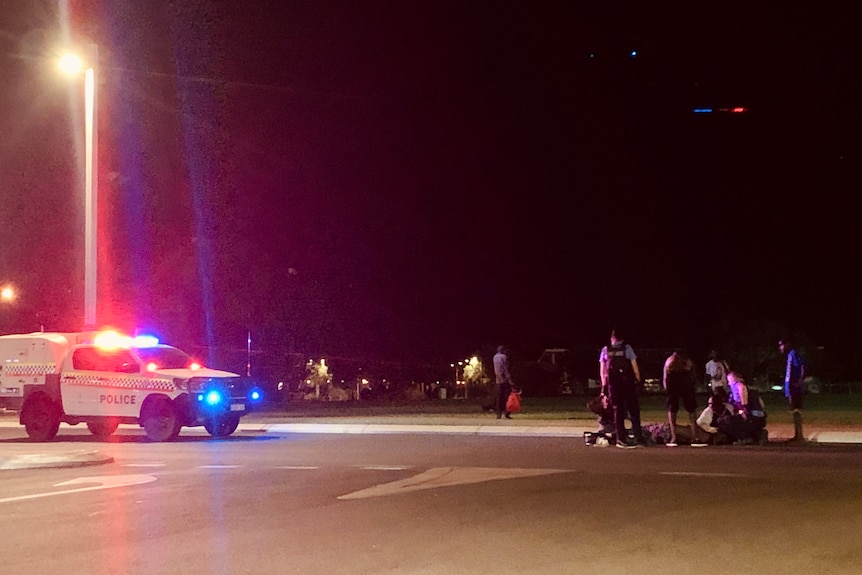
pixel 716 372
pixel 503 385
pixel 794 386
pixel 620 374
pixel 678 382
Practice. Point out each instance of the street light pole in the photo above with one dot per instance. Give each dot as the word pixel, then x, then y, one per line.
pixel 91 188
pixel 72 64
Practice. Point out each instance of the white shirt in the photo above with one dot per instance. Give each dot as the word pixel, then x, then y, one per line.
pixel 704 420
pixel 717 372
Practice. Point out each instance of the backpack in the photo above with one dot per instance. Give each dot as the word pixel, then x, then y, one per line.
pixel 619 366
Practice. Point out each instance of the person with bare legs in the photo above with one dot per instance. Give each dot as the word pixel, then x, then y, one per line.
pixel 678 382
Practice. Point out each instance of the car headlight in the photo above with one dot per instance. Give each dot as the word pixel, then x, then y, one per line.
pixel 211 398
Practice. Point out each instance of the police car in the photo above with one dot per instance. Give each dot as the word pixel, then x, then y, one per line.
pixel 115 379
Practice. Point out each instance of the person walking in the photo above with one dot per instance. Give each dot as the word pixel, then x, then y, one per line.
pixel 620 375
pixel 503 382
pixel 678 382
pixel 794 386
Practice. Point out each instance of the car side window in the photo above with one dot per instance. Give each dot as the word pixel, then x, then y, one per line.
pixel 84 359
pixel 115 360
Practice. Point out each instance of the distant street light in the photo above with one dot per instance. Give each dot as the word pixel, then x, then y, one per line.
pixel 73 64
pixel 462 366
pixel 7 294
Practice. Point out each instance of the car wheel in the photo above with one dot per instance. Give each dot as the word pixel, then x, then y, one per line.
pixel 102 429
pixel 161 421
pixel 41 419
pixel 222 426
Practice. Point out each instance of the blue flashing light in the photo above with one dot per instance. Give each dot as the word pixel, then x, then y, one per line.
pixel 702 110
pixel 213 398
pixel 145 341
pixel 633 54
pixel 255 395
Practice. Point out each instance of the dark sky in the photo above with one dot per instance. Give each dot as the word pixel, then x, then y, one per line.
pixel 419 179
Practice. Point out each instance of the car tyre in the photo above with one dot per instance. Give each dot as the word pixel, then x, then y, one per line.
pixel 41 419
pixel 102 429
pixel 161 421
pixel 222 426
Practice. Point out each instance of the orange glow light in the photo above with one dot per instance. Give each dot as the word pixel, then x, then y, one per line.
pixel 112 340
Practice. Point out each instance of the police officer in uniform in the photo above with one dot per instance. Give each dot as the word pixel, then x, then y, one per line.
pixel 620 376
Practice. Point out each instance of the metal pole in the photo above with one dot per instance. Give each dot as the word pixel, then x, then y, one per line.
pixel 248 363
pixel 91 188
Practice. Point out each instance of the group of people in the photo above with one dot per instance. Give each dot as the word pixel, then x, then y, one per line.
pixel 735 413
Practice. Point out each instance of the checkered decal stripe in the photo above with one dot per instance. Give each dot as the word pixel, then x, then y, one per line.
pixel 143 383
pixel 28 369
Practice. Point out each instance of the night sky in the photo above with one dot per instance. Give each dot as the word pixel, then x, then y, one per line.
pixel 418 180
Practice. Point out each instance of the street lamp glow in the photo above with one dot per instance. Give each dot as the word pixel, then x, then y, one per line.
pixel 73 64
pixel 7 293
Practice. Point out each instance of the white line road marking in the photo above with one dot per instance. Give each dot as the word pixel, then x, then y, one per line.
pixel 697 474
pixel 102 482
pixel 446 477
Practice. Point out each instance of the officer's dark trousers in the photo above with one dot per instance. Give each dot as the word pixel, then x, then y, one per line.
pixel 624 400
pixel 502 390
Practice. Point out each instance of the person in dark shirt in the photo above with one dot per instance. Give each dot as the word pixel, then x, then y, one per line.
pixel 747 424
pixel 620 376
pixel 678 382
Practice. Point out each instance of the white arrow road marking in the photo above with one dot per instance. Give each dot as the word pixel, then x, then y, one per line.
pixel 102 482
pixel 445 477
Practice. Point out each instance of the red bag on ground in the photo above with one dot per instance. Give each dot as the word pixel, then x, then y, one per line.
pixel 513 404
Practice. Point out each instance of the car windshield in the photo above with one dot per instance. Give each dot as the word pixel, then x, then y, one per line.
pixel 164 356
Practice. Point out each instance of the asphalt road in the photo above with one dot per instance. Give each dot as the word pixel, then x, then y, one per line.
pixel 430 504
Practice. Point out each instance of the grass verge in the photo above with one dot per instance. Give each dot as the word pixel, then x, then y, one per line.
pixel 838 410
